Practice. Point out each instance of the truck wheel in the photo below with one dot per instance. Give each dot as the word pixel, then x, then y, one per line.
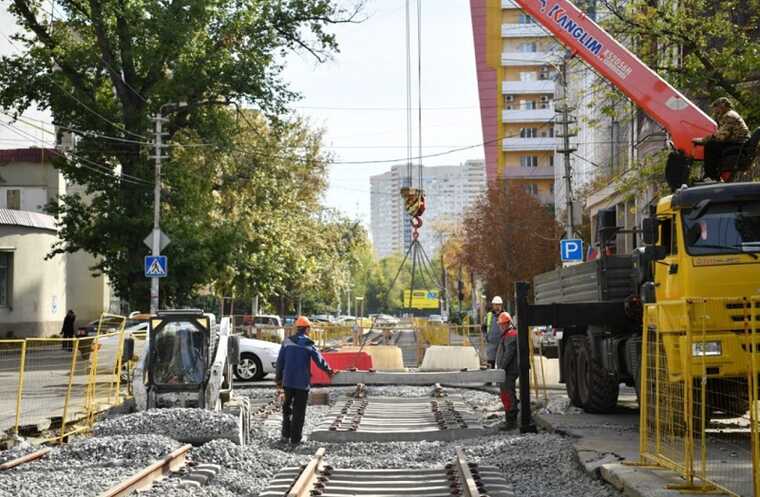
pixel 570 366
pixel 597 389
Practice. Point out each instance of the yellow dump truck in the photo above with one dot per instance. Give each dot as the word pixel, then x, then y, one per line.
pixel 694 284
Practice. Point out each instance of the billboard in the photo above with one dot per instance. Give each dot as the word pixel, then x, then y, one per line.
pixel 421 299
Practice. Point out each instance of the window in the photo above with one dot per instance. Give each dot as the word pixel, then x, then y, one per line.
pixel 529 161
pixel 532 188
pixel 527 105
pixel 179 355
pixel 528 76
pixel 525 19
pixel 528 47
pixel 551 159
pixel 528 132
pixel 726 228
pixel 13 200
pixel 6 278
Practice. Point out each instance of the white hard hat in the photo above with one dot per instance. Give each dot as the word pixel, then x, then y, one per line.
pixel 497 300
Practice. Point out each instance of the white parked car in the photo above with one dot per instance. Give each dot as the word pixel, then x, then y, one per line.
pixel 257 359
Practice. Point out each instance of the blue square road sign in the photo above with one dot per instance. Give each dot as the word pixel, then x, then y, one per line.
pixel 156 266
pixel 571 250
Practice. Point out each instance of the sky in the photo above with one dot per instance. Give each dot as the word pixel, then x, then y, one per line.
pixel 359 96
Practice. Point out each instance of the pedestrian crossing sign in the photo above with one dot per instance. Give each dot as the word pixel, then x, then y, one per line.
pixel 156 266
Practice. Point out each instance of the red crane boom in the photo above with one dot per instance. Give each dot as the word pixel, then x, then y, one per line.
pixel 683 120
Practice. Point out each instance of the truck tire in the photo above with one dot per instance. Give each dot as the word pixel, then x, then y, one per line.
pixel 570 368
pixel 597 388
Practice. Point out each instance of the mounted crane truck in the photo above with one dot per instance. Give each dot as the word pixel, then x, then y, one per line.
pixel 701 243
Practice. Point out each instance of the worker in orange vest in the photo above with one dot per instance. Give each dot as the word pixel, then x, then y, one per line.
pixel 506 359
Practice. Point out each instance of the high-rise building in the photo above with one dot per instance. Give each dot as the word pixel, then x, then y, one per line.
pixel 516 63
pixel 449 192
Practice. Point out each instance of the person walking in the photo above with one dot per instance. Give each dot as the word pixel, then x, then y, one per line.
pixel 507 359
pixel 732 132
pixel 293 375
pixel 67 330
pixel 491 331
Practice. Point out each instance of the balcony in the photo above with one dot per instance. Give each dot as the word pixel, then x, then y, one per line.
pixel 509 59
pixel 529 173
pixel 528 87
pixel 528 116
pixel 522 30
pixel 509 4
pixel 529 144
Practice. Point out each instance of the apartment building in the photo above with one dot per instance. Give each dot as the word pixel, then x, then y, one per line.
pixel 517 61
pixel 450 191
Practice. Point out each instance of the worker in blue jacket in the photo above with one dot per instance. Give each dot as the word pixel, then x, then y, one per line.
pixel 294 376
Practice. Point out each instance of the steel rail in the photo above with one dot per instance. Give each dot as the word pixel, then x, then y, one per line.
pixel 468 482
pixel 305 482
pixel 33 456
pixel 145 477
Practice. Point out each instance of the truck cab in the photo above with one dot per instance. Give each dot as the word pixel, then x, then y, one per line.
pixel 706 266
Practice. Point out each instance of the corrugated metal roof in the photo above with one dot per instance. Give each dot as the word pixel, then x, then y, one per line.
pixel 36 155
pixel 27 219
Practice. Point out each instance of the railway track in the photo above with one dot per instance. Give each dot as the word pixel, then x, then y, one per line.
pixel 457 479
pixel 383 419
pixel 144 478
pixel 33 456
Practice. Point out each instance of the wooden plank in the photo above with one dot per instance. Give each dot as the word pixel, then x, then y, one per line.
pixel 147 476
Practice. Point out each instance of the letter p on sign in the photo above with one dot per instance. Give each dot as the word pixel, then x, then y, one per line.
pixel 571 250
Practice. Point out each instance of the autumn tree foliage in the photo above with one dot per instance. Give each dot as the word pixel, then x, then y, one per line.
pixel 509 237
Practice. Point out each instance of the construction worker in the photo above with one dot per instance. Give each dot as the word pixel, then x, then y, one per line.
pixel 506 359
pixel 491 332
pixel 732 132
pixel 294 377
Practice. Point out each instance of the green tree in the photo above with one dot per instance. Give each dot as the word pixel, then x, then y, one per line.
pixel 705 48
pixel 102 67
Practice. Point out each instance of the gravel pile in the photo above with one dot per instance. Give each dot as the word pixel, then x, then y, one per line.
pixel 85 467
pixel 187 425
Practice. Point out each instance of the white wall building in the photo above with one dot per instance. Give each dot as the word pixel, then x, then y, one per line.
pixel 35 293
pixel 449 192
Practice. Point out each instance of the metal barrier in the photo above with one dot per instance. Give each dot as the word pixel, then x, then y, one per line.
pixel 699 393
pixel 58 385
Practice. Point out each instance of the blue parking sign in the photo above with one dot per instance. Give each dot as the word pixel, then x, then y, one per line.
pixel 571 250
pixel 156 266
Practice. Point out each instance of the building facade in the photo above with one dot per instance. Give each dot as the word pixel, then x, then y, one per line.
pixel 449 191
pixel 517 61
pixel 36 292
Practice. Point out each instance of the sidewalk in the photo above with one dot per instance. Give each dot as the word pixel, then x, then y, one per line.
pixel 605 441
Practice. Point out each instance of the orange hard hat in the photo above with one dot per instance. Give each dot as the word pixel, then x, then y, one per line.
pixel 505 318
pixel 303 322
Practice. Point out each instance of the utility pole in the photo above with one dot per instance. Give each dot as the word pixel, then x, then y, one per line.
pixel 159 120
pixel 566 150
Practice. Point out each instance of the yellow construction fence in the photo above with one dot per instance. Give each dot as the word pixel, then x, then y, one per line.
pixel 56 386
pixel 699 393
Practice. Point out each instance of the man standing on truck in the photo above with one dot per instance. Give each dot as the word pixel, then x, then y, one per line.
pixel 491 331
pixel 294 376
pixel 732 132
pixel 506 359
